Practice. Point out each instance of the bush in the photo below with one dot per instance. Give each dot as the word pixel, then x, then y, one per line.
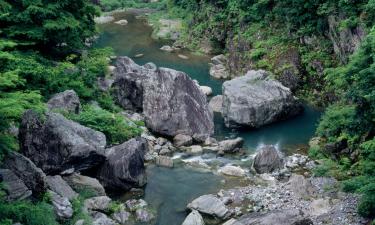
pixel 116 127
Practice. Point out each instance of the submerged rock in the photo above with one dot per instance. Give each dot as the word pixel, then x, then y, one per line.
pixel 55 143
pixel 171 102
pixel 33 177
pixel 211 205
pixel 267 160
pixel 66 101
pixel 194 218
pixel 167 48
pixel 124 167
pixel 14 187
pixel 256 99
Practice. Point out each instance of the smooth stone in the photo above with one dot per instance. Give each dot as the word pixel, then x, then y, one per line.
pixel 166 48
pixel 232 171
pixel 206 90
pixel 121 22
pixel 211 205
pixel 139 55
pixel 194 218
pixel 183 56
pixel 103 19
pixel 216 104
pixel 231 145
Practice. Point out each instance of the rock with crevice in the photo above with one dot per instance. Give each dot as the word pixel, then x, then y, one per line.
pixel 267 160
pixel 14 187
pixel 61 187
pixel 67 101
pixel 171 102
pixel 55 143
pixel 33 177
pixel 256 99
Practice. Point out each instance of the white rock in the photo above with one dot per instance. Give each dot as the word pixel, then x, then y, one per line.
pixel 232 171
pixel 206 90
pixel 122 22
pixel 194 218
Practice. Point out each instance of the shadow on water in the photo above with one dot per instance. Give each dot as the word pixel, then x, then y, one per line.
pixel 170 190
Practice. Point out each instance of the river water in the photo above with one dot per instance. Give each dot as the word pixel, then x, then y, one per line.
pixel 169 190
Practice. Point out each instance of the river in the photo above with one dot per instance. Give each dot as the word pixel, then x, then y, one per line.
pixel 169 190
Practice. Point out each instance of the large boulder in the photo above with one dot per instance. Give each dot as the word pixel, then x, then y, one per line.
pixel 79 183
pixel 66 101
pixel 194 218
pixel 231 145
pixel 210 205
pixel 267 160
pixel 171 102
pixel 15 188
pixel 33 177
pixel 256 99
pixel 55 143
pixel 61 187
pixel 279 217
pixel 124 167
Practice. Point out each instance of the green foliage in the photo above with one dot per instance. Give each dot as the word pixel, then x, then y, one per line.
pixel 116 127
pixel 109 5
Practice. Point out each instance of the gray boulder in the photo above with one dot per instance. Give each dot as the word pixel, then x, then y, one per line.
pixel 256 99
pixel 211 205
pixel 267 160
pixel 232 145
pixel 301 186
pixel 61 187
pixel 122 217
pixel 164 161
pixel 55 143
pixel 33 177
pixel 279 217
pixel 182 140
pixel 124 167
pixel 171 102
pixel 144 215
pixel 194 218
pixel 216 104
pixel 79 182
pixel 99 218
pixel 67 101
pixel 63 208
pixel 14 187
pixel 99 203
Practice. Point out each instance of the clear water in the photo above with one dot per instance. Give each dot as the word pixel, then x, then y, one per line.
pixel 169 190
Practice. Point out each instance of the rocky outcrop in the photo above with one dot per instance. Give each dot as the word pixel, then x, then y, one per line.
pixel 79 182
pixel 14 187
pixel 256 99
pixel 279 217
pixel 345 40
pixel 171 102
pixel 55 143
pixel 194 218
pixel 124 167
pixel 267 160
pixel 216 104
pixel 61 187
pixel 211 205
pixel 218 67
pixel 33 177
pixel 66 101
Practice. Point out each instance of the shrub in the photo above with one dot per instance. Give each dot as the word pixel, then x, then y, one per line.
pixel 116 127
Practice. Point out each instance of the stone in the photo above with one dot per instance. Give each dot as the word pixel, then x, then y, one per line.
pixel 80 222
pixel 267 160
pixel 122 22
pixel 211 205
pixel 103 19
pixel 319 207
pixel 15 188
pixel 195 149
pixel 124 167
pixel 210 141
pixel 99 218
pixel 166 48
pixel 183 56
pixel 67 101
pixel 104 84
pixel 230 222
pixel 206 90
pixel 171 102
pixel 219 71
pixel 256 99
pixel 55 143
pixel 194 218
pixel 122 217
pixel 33 177
pixel 232 145
pixel 61 187
pixel 99 203
pixel 139 55
pixel 232 171
pixel 169 29
pixel 279 217
pixel 301 186
pixel 216 104
pixel 182 140
pixel 219 59
pixel 134 204
pixel 63 208
pixel 164 161
pixel 79 182
pixel 144 215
